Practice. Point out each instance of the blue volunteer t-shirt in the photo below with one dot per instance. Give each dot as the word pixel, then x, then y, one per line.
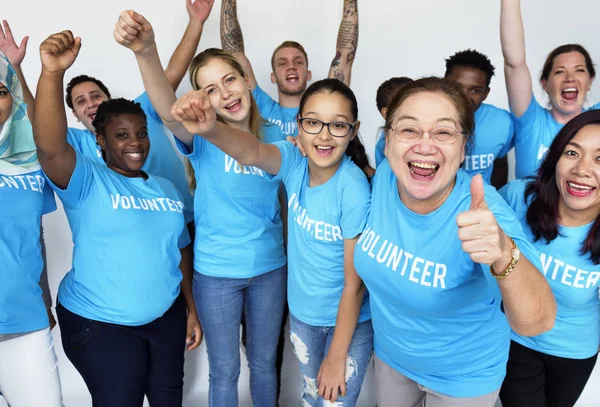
pixel 239 232
pixel 535 131
pixel 494 137
pixel 573 278
pixel 127 234
pixel 436 314
pixel 319 219
pixel 161 161
pixel 282 120
pixel 23 199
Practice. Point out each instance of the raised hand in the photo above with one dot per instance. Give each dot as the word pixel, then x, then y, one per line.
pixel 59 51
pixel 8 46
pixel 199 10
pixel 481 236
pixel 195 112
pixel 133 31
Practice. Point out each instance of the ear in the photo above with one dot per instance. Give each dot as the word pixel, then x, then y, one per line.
pixel 387 142
pixel 463 153
pixel 487 92
pixel 273 78
pixel 384 112
pixel 355 130
pixel 308 76
pixel 544 82
pixel 75 114
pixel 101 141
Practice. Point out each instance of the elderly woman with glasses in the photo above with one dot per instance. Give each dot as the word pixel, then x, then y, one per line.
pixel 439 254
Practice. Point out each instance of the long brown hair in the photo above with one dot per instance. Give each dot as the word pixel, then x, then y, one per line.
pixel 202 59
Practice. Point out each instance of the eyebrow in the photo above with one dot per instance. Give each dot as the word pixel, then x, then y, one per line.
pixel 576 66
pixel 89 93
pixel 443 119
pixel 223 77
pixel 574 144
pixel 343 116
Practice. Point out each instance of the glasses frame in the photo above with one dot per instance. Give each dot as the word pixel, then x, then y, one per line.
pixel 423 132
pixel 323 124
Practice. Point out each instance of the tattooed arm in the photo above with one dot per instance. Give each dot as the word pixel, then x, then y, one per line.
pixel 232 39
pixel 347 41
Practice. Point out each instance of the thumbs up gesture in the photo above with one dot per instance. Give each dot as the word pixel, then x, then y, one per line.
pixel 478 230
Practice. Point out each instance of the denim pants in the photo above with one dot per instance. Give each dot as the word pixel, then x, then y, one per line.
pixel 220 302
pixel 311 344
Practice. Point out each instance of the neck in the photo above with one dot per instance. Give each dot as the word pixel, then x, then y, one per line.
pixel 426 206
pixel 572 219
pixel 289 100
pixel 242 125
pixel 318 175
pixel 563 118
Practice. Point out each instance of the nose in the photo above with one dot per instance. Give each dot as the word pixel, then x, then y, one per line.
pixel 425 145
pixel 582 168
pixel 324 133
pixel 225 93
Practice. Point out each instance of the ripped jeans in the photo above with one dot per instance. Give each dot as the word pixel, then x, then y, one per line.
pixel 311 344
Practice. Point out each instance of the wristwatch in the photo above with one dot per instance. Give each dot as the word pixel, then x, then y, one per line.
pixel 515 256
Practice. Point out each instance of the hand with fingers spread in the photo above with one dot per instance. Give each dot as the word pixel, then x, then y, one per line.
pixel 133 31
pixel 195 112
pixel 481 236
pixel 8 46
pixel 59 51
pixel 199 10
pixel 297 143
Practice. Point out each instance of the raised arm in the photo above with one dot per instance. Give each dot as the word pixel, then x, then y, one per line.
pixel 179 63
pixel 197 115
pixel 57 157
pixel 135 32
pixel 232 39
pixel 347 41
pixel 15 55
pixel 516 71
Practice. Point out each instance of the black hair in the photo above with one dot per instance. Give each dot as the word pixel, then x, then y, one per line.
pixel 387 90
pixel 471 59
pixel 542 213
pixel 356 150
pixel 81 79
pixel 112 108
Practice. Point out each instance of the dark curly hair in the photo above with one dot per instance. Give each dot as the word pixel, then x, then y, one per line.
pixel 387 90
pixel 81 79
pixel 356 150
pixel 471 59
pixel 110 109
pixel 542 213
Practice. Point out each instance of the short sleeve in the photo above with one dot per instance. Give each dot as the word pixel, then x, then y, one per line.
pixel 510 137
pixel 144 101
pixel 356 202
pixel 49 204
pixel 80 183
pixel 291 158
pixel 195 151
pixel 380 149
pixel 525 123
pixel 263 100
pixel 184 239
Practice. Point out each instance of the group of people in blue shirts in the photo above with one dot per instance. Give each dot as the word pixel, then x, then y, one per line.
pixel 465 287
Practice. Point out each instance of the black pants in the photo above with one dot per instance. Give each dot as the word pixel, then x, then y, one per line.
pixel 535 379
pixel 280 344
pixel 120 364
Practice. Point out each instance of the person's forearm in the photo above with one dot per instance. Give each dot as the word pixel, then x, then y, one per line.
pixel 347 43
pixel 184 53
pixel 347 318
pixel 50 122
pixel 232 39
pixel 187 271
pixel 512 36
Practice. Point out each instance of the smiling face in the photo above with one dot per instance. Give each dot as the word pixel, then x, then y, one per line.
pixel 6 102
pixel 125 143
pixel 426 170
pixel 86 97
pixel 323 150
pixel 290 71
pixel 227 90
pixel 567 85
pixel 578 178
pixel 473 81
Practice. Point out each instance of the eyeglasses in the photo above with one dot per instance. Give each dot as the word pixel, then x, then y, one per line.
pixel 336 129
pixel 412 134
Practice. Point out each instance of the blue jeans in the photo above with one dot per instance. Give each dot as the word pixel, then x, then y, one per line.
pixel 311 344
pixel 220 302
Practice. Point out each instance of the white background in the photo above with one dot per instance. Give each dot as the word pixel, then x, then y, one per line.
pixel 397 38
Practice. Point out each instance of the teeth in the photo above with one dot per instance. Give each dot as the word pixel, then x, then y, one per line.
pixel 425 165
pixel 577 186
pixel 135 155
pixel 231 104
pixel 324 148
pixel 570 90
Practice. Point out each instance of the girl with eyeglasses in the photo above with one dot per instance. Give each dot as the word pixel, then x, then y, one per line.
pixel 440 252
pixel 328 202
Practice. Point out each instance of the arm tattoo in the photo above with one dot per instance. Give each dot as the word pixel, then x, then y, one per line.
pixel 232 39
pixel 347 39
